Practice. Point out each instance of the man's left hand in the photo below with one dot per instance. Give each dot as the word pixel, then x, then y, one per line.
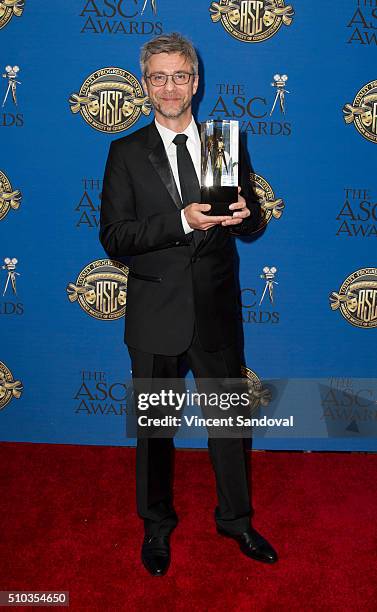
pixel 240 209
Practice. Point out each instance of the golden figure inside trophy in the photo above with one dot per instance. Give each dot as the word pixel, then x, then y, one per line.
pixel 219 162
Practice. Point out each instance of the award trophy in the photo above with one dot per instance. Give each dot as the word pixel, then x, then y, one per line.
pixel 219 147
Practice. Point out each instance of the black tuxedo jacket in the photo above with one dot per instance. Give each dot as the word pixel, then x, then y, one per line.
pixel 174 281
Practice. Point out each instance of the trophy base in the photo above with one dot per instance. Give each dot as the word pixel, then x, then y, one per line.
pixel 210 195
pixel 219 198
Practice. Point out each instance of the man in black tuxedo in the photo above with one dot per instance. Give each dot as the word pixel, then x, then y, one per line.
pixel 182 291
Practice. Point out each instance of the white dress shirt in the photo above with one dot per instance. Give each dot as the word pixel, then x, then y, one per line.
pixel 193 146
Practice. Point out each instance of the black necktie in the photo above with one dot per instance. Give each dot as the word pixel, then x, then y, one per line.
pixel 190 188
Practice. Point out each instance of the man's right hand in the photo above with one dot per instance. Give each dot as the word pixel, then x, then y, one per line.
pixel 197 220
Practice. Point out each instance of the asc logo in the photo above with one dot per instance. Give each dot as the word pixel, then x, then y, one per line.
pixel 363 111
pixel 101 289
pixel 254 111
pixel 358 215
pixel 110 100
pixel 252 20
pixel 8 8
pixel 120 17
pixel 97 395
pixel 357 298
pixel 363 23
pixel 9 388
pixel 9 197
pixel 271 206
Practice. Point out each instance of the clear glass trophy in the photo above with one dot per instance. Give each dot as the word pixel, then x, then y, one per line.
pixel 219 147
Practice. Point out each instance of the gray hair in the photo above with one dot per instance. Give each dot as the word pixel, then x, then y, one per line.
pixel 169 43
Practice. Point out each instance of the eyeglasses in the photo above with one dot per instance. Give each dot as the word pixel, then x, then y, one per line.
pixel 158 79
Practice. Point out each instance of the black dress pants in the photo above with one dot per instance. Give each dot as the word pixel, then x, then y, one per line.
pixel 154 456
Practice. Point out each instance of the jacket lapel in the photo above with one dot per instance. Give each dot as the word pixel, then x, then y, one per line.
pixel 159 160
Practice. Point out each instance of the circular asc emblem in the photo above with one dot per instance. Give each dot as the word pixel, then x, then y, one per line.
pixel 252 20
pixel 271 207
pixel 9 197
pixel 8 8
pixel 110 100
pixel 363 111
pixel 357 298
pixel 101 289
pixel 9 388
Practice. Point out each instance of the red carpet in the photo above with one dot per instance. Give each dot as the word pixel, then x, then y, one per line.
pixel 68 523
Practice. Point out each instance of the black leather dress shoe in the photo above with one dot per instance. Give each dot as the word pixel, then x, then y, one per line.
pixel 155 554
pixel 253 545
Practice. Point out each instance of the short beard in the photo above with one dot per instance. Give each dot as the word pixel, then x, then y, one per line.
pixel 175 114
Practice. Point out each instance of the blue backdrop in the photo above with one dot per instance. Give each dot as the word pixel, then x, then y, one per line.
pixel 62 371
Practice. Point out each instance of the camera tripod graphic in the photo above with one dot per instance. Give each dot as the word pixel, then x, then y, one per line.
pixel 279 83
pixel 153 5
pixel 11 74
pixel 10 266
pixel 269 275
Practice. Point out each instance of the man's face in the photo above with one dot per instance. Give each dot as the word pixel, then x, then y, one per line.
pixel 170 100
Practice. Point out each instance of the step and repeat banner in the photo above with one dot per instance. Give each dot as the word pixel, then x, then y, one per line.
pixel 301 79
